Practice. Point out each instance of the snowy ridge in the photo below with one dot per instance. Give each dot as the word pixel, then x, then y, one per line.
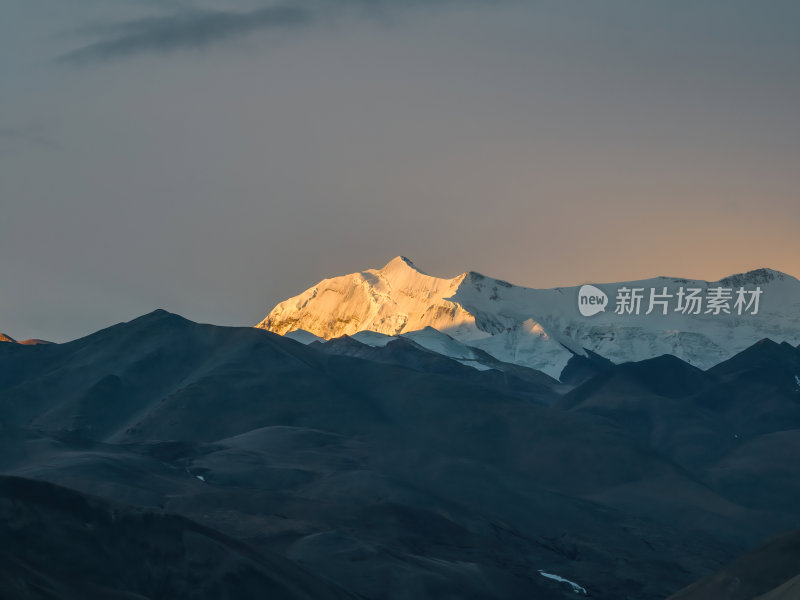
pixel 430 339
pixel 538 328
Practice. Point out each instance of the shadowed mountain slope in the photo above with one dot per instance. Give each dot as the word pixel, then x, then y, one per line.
pixel 769 572
pixel 396 472
pixel 58 543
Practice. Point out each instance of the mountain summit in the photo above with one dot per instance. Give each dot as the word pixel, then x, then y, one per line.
pixel 542 328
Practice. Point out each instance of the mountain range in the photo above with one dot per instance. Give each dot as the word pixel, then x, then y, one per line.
pixel 167 458
pixel 479 320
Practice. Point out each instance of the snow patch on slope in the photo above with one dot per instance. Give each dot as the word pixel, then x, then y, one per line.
pixel 441 343
pixel 575 587
pixel 303 336
pixel 373 338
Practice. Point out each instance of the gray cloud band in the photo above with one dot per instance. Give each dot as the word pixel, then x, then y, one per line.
pixel 196 28
pixel 185 30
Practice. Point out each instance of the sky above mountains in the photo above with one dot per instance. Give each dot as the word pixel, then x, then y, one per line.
pixel 215 158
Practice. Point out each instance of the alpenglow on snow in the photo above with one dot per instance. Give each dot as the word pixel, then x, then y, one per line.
pixel 538 328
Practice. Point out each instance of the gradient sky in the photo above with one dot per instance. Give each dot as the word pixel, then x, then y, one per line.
pixel 214 158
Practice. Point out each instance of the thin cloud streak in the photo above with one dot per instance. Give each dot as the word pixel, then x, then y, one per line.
pixel 192 29
pixel 199 28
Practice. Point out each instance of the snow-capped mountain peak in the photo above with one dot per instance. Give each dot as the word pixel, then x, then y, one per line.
pixel 542 328
pixel 394 299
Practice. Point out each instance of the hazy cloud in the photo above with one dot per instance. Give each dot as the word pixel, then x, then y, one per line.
pixel 186 29
pixel 190 28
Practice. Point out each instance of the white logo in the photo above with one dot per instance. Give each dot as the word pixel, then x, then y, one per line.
pixel 591 300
